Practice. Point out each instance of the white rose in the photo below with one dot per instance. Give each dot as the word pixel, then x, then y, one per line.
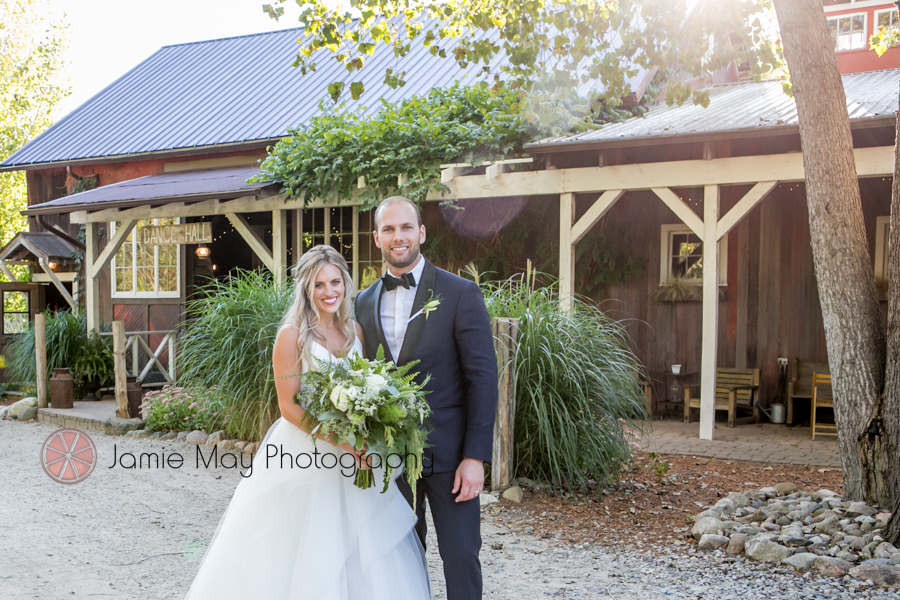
pixel 339 398
pixel 376 381
pixel 353 391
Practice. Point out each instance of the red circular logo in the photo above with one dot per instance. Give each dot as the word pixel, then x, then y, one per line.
pixel 68 456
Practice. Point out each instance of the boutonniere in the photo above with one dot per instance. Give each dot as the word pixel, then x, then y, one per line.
pixel 429 307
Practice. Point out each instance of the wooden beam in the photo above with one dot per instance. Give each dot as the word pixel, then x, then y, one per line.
pixel 595 213
pixel 91 281
pixel 743 206
pixel 40 347
pixel 9 275
pixel 681 210
pixel 870 162
pixel 59 286
pixel 710 326
pixel 279 245
pixel 65 276
pixel 115 242
pixel 253 240
pixel 566 251
pixel 296 235
pixel 121 381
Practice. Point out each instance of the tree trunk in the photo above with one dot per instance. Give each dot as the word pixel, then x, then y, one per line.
pixel 890 408
pixel 844 275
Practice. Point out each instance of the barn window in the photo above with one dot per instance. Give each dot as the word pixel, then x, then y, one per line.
pixel 146 271
pixel 889 19
pixel 681 256
pixel 848 32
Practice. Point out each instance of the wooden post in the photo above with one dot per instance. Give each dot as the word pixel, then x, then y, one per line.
pixel 279 245
pixel 40 359
pixel 91 278
pixel 506 332
pixel 172 355
pixel 118 331
pixel 566 250
pixel 710 328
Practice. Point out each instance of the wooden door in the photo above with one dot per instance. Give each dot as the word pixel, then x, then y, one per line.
pixel 18 303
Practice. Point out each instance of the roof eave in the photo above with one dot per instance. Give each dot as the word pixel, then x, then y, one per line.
pixel 773 130
pixel 176 152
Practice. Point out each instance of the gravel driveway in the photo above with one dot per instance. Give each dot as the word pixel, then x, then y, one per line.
pixel 138 534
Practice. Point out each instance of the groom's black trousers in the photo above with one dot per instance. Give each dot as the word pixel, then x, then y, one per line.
pixel 458 529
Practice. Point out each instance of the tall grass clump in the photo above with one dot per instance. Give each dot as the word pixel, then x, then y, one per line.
pixel 66 334
pixel 226 347
pixel 577 390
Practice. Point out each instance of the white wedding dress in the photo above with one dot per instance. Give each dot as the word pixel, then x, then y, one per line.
pixel 310 533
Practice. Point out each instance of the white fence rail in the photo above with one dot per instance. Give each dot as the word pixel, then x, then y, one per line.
pixel 133 341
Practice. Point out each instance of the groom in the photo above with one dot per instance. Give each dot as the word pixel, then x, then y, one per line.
pixel 452 340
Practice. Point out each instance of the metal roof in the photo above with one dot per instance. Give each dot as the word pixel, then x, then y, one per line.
pixel 37 245
pixel 160 188
pixel 229 91
pixel 734 109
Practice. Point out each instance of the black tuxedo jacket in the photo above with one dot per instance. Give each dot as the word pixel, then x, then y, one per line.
pixel 455 346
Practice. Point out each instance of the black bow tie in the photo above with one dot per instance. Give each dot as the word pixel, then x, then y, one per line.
pixel 407 280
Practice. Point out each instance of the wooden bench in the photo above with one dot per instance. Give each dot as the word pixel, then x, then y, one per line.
pixel 800 382
pixel 821 398
pixel 735 389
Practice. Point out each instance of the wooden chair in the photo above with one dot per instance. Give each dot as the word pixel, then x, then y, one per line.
pixel 821 398
pixel 735 389
pixel 799 385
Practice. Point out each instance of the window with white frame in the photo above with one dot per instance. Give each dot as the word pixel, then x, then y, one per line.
pixel 889 19
pixel 350 233
pixel 848 32
pixel 882 230
pixel 681 256
pixel 141 271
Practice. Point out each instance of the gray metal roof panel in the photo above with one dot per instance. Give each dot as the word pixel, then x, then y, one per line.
pixel 222 183
pixel 737 107
pixel 228 91
pixel 45 242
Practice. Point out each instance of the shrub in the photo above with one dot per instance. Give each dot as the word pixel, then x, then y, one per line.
pixel 182 409
pixel 227 345
pixel 577 390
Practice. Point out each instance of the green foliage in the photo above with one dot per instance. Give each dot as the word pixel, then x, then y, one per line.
pixel 884 39
pixel 604 257
pixel 577 390
pixel 182 409
pixel 550 47
pixel 30 68
pixel 68 346
pixel 326 157
pixel 659 465
pixel 227 345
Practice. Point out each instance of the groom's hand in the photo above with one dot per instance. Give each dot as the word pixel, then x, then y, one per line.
pixel 469 480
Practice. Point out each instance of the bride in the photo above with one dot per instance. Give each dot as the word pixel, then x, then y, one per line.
pixel 300 531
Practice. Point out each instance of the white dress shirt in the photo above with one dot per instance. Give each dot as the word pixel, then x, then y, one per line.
pixel 396 309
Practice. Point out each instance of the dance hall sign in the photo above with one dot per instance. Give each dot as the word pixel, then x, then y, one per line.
pixel 184 233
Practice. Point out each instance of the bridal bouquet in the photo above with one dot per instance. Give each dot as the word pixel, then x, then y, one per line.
pixel 369 403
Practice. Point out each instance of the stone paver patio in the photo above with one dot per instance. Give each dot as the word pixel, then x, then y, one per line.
pixel 765 442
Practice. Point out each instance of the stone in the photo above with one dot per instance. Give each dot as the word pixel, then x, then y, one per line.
pixel 856 509
pixel 707 525
pixel 711 541
pixel 17 407
pixel 196 437
pixel 485 499
pixel 182 435
pixel 514 493
pixel 28 413
pixel 226 445
pixel 713 512
pixel 240 445
pixel 726 505
pixel 802 561
pixel 766 551
pixel 251 448
pixel 157 435
pixel 120 426
pixel 823 526
pixel 215 437
pixel 768 492
pixel 740 500
pixel 830 566
pixel 3 412
pixel 786 488
pixel 736 544
pixel 142 433
pixel 879 574
pixel 169 436
pixel 846 555
pixel 885 550
pixel 821 495
pixel 783 521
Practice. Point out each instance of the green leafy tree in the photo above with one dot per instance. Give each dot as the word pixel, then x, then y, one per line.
pixel 550 47
pixel 31 59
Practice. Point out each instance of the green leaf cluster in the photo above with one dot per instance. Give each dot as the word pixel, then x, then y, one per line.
pixel 325 158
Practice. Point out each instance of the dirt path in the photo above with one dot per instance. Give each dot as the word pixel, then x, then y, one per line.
pixel 138 535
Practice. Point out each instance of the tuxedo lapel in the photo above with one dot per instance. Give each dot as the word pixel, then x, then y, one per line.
pixel 376 320
pixel 424 291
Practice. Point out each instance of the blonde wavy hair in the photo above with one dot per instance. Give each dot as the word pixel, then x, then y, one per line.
pixel 303 312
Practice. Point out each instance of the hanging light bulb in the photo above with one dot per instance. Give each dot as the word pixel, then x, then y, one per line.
pixel 202 251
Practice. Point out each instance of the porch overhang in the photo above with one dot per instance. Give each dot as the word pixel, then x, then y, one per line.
pixel 45 250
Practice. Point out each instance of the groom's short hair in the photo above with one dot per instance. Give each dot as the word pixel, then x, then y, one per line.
pixel 397 200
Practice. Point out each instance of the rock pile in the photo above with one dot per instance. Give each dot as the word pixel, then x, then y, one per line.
pixel 218 439
pixel 815 531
